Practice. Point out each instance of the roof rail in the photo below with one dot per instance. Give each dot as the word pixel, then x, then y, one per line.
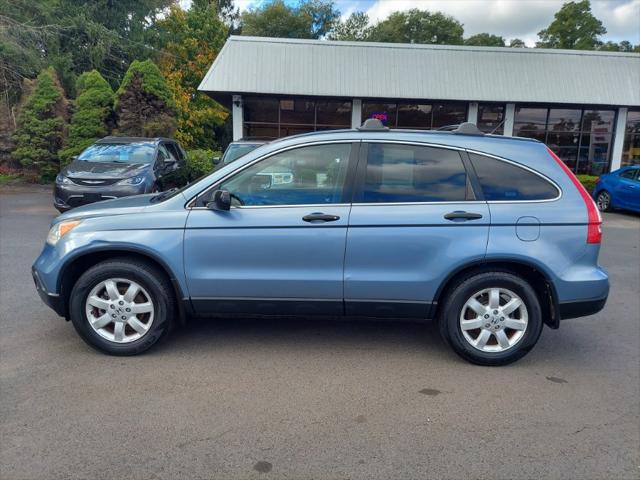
pixel 373 125
pixel 468 128
pixel 465 128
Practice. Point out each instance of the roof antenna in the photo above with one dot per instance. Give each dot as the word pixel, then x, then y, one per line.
pixel 373 125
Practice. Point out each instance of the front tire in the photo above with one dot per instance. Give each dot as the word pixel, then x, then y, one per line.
pixel 122 306
pixel 491 318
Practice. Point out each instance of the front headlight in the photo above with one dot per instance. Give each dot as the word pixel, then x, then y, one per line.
pixel 59 230
pixel 137 180
pixel 61 179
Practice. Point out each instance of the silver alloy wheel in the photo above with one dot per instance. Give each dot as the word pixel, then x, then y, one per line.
pixel 603 201
pixel 494 320
pixel 119 310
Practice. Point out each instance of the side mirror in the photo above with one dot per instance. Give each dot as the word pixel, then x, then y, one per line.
pixel 215 161
pixel 221 201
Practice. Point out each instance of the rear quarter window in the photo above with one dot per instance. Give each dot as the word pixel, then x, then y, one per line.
pixel 500 180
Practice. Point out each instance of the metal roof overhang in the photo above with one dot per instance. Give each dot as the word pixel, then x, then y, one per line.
pixel 279 67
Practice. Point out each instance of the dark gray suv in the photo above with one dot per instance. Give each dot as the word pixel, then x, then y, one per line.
pixel 118 167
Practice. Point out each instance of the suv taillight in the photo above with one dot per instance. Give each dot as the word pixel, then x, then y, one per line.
pixel 594 220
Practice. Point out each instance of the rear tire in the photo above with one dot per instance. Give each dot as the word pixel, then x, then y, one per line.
pixel 122 306
pixel 603 201
pixel 491 318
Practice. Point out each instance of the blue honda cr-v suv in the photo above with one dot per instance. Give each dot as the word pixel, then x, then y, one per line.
pixel 490 236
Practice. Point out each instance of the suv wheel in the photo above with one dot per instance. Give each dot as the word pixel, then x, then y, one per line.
pixel 603 201
pixel 491 318
pixel 121 307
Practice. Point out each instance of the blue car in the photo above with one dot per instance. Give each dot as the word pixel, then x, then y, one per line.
pixel 493 237
pixel 619 189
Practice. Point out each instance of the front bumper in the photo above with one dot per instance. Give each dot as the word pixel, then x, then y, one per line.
pixel 68 196
pixel 52 300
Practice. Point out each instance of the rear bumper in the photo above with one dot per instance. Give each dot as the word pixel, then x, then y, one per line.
pixel 581 308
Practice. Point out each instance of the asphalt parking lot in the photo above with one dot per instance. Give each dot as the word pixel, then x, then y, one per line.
pixel 307 399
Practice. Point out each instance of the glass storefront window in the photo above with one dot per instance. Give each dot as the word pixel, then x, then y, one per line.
pixel 415 115
pixel 450 113
pixel 333 113
pixel 274 118
pixel 631 147
pixel 298 111
pixel 528 118
pixel 385 112
pixel 564 120
pixel 260 131
pixel 601 120
pixel 581 138
pixel 491 118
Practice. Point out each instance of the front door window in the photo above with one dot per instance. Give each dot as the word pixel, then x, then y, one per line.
pixel 301 176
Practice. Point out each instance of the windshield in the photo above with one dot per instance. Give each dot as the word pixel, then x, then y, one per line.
pixel 235 151
pixel 119 153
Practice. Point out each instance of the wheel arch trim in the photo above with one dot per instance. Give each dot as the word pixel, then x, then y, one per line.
pixel 503 261
pixel 115 249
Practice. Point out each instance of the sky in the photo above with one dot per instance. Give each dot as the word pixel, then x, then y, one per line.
pixel 509 18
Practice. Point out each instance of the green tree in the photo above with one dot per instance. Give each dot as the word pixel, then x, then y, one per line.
pixel 144 103
pixel 573 27
pixel 310 19
pixel 40 130
pixel 623 46
pixel 485 40
pixel 418 26
pixel 517 43
pixel 75 37
pixel 191 42
pixel 355 28
pixel 93 114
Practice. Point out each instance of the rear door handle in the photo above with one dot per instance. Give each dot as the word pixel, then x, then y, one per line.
pixel 459 215
pixel 320 217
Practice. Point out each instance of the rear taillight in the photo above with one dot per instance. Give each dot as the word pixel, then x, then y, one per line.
pixel 594 220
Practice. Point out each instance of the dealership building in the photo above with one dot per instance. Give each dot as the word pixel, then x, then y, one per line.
pixel 585 105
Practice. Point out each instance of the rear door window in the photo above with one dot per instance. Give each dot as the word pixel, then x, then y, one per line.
pixel 504 181
pixel 398 173
pixel 630 174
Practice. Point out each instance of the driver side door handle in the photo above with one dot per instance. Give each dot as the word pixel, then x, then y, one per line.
pixel 320 217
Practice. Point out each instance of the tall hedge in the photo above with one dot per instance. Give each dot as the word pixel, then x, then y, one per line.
pixel 93 114
pixel 144 103
pixel 40 126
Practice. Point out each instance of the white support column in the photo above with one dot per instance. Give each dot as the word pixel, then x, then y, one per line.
pixel 356 113
pixel 472 113
pixel 237 116
pixel 509 115
pixel 618 139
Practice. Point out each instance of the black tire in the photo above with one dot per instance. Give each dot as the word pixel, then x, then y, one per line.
pixel 153 280
pixel 600 203
pixel 449 321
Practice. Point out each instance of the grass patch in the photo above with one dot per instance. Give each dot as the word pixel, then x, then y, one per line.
pixel 8 178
